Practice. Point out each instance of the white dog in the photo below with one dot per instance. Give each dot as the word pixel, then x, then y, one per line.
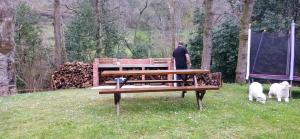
pixel 256 91
pixel 280 90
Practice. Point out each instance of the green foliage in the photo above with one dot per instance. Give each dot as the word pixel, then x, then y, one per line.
pixel 31 56
pixel 225 50
pixel 141 51
pixel 80 34
pixel 274 15
pixel 111 36
pixel 142 47
pixel 142 37
pixel 20 83
pixel 27 31
pixel 196 43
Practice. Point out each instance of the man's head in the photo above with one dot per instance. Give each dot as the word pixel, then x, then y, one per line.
pixel 180 43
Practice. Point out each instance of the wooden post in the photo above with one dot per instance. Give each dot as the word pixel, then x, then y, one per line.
pixel 170 75
pixel 143 76
pixel 195 81
pixel 183 94
pixel 96 72
pixel 117 97
pixel 184 83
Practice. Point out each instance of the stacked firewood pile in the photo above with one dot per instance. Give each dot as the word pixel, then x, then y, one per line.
pixel 73 75
pixel 214 79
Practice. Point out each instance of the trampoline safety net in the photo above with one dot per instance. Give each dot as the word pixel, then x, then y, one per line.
pixel 270 55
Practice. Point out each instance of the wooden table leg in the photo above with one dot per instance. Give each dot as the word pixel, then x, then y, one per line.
pixel 199 97
pixel 183 94
pixel 117 97
pixel 184 83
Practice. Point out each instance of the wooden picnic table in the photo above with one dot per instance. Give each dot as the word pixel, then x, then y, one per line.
pixel 200 90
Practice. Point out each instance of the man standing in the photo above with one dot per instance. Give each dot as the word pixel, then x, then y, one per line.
pixel 182 60
pixel 182 57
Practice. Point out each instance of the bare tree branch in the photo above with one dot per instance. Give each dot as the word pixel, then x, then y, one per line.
pixel 128 46
pixel 70 8
pixel 146 5
pixel 139 18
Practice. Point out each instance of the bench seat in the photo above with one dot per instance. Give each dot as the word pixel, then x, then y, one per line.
pixel 158 89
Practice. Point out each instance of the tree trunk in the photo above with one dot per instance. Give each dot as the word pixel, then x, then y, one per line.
pixel 98 29
pixel 242 55
pixel 60 54
pixel 7 49
pixel 171 4
pixel 207 35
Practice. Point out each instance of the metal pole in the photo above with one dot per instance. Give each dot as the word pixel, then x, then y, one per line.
pixel 175 75
pixel 248 52
pixel 292 51
pixel 292 54
pixel 291 89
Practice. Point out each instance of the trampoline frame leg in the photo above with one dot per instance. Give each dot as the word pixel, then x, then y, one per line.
pixel 291 89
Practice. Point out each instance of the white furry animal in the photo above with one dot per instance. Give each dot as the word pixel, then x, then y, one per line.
pixel 280 90
pixel 256 92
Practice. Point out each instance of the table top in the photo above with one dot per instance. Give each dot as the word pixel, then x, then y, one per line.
pixel 133 66
pixel 153 72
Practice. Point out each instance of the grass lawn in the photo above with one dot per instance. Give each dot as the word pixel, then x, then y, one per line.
pixel 82 113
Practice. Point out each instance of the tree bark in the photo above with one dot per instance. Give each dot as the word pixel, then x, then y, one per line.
pixel 7 49
pixel 242 54
pixel 207 35
pixel 60 54
pixel 98 29
pixel 171 4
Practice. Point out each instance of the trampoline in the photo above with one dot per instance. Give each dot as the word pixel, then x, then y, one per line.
pixel 273 56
